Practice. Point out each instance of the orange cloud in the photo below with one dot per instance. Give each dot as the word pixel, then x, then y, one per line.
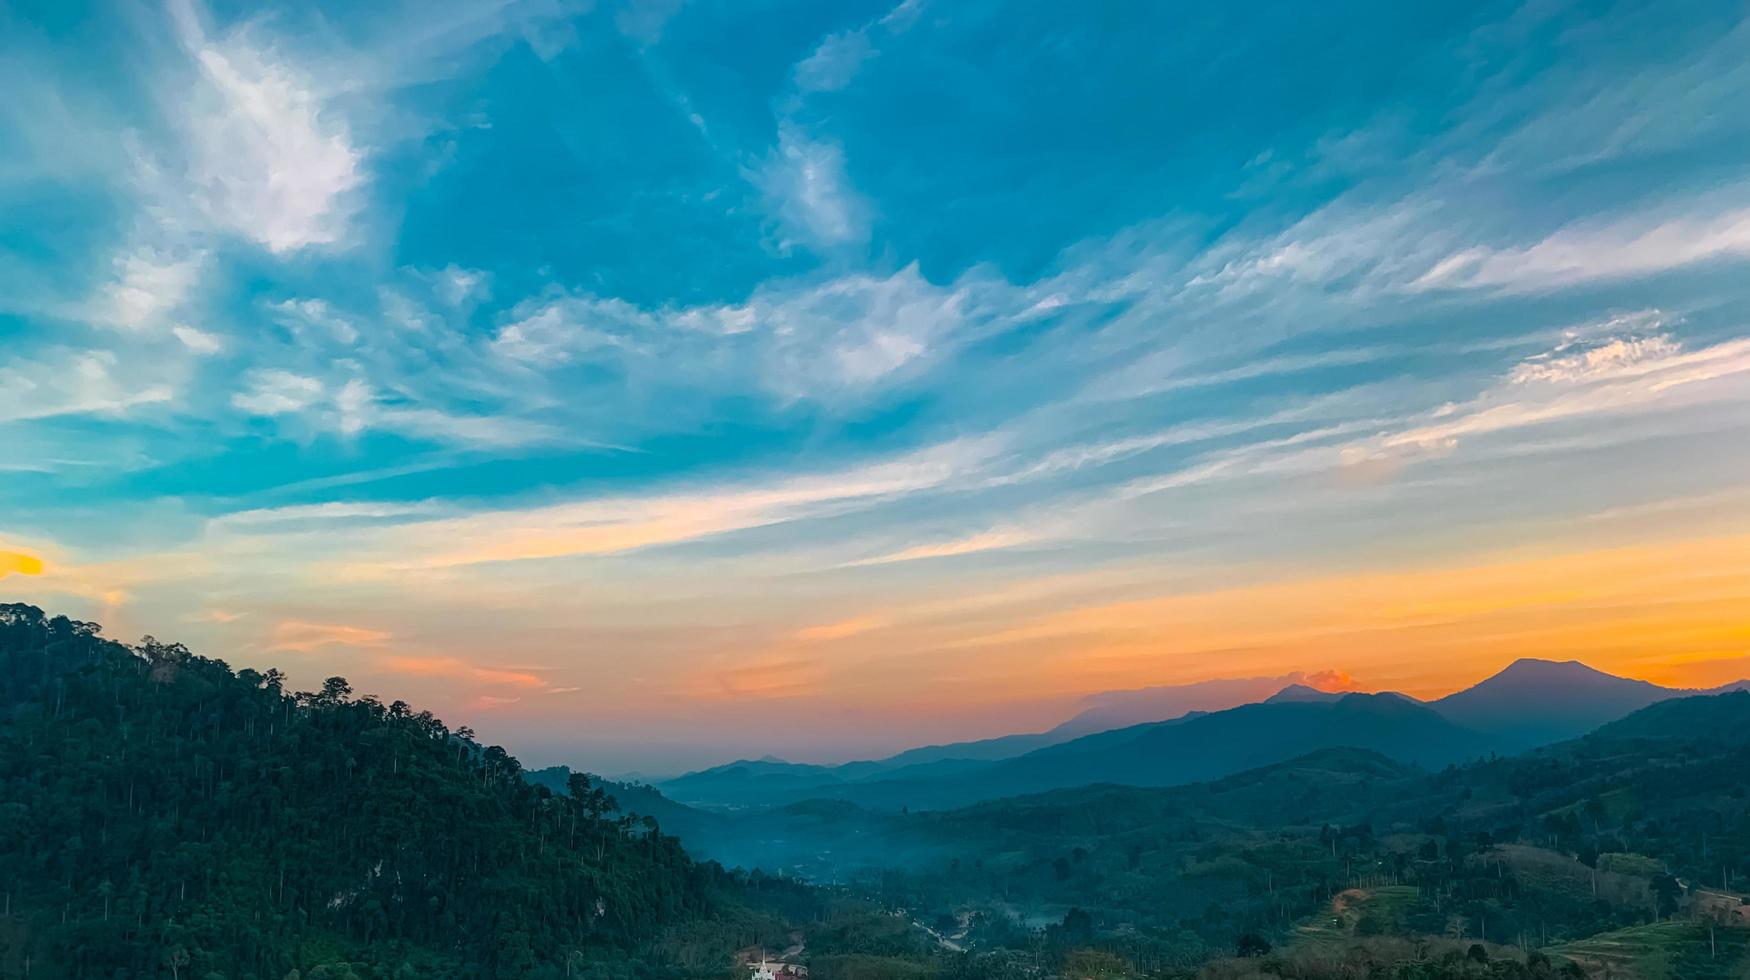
pixel 301 637
pixel 996 540
pixel 1331 681
pixel 840 630
pixel 17 562
pixel 758 681
pixel 455 667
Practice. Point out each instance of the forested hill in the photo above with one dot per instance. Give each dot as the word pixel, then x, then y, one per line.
pixel 162 815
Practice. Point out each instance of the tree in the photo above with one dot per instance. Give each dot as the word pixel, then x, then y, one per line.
pixel 176 958
pixel 1252 945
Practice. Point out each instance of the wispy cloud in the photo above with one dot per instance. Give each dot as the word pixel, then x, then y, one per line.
pixel 1621 249
pixel 275 392
pixel 149 285
pixel 457 668
pixel 611 526
pixel 835 62
pixel 265 158
pixel 297 636
pixel 64 382
pixel 808 193
pixel 996 539
pixel 843 629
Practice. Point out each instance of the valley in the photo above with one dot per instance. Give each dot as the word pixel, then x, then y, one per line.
pixel 1291 835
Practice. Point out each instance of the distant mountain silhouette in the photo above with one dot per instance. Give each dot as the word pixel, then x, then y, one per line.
pixel 1122 709
pixel 1301 692
pixel 1536 702
pixel 772 781
pixel 1685 746
pixel 1224 742
pixel 1184 750
pixel 751 782
pixel 1529 704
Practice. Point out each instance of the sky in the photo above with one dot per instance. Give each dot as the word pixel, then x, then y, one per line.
pixel 648 384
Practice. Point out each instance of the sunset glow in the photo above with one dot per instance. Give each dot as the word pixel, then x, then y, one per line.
pixel 613 390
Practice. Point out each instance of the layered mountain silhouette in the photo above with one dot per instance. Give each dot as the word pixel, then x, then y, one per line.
pixel 1529 703
pixel 1536 702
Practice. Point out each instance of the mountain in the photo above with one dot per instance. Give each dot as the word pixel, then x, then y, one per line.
pixel 1581 838
pixel 1709 718
pixel 1122 709
pixel 1530 703
pixel 1537 702
pixel 981 750
pixel 770 781
pixel 1225 742
pixel 1189 749
pixel 162 814
pixel 751 782
pixel 1302 693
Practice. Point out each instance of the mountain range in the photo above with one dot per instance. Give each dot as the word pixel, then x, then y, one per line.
pixel 1529 703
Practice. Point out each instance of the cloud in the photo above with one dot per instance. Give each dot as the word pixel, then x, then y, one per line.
pixel 808 194
pixel 616 525
pixel 559 331
pixel 328 513
pixel 1606 358
pixel 822 341
pixel 1330 681
pixel 768 679
pixel 834 62
pixel 149 284
pixel 1615 377
pixel 993 540
pixel 840 630
pixel 62 382
pixel 455 667
pixel 295 636
pixel 1590 252
pixel 275 392
pixel 301 315
pixel 266 158
pixel 197 341
pixel 214 616
pixel 19 563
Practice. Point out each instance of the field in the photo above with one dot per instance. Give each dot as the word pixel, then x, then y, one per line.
pixel 1338 923
pixel 1672 950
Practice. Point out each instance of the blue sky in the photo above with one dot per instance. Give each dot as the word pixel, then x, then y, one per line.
pixel 619 377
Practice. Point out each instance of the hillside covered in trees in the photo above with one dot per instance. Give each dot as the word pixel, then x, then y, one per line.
pixel 164 815
pixel 1623 853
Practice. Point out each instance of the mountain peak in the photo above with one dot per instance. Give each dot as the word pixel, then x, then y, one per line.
pixel 1537 672
pixel 1534 701
pixel 1540 665
pixel 1301 693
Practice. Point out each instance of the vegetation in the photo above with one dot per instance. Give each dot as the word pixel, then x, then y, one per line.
pixel 163 815
pixel 1639 830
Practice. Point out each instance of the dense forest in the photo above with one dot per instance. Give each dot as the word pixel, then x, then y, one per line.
pixel 164 815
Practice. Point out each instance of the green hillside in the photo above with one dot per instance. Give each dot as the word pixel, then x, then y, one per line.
pixel 163 815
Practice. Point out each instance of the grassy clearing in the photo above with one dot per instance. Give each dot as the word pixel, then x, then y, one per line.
pixel 1337 923
pixel 1672 950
